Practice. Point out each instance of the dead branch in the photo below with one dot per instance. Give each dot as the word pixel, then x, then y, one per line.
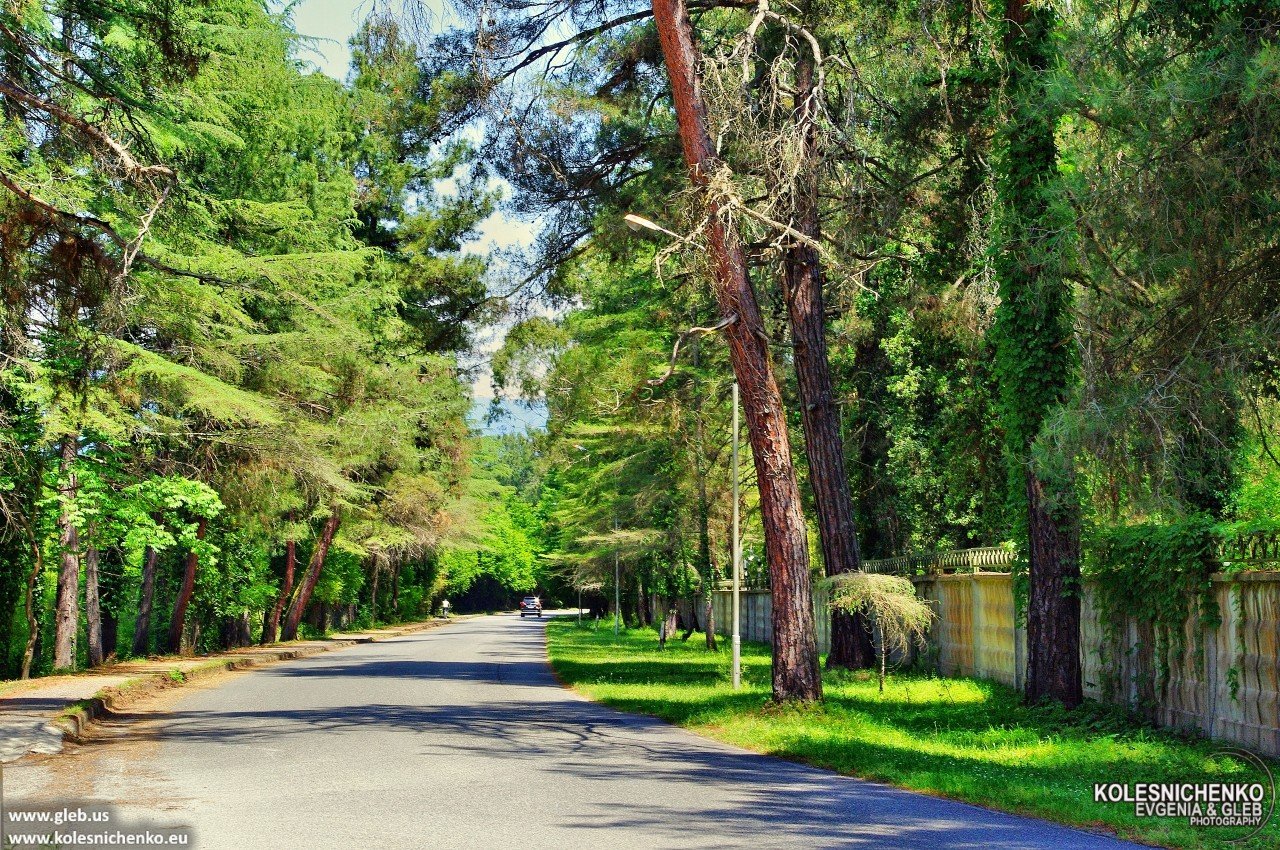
pixel 680 340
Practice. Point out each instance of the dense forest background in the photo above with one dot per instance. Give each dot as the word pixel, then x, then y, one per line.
pixel 1153 401
pixel 237 304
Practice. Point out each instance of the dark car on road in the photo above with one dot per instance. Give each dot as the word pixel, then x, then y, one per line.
pixel 530 605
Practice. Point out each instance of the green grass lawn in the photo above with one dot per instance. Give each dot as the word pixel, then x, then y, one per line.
pixel 960 738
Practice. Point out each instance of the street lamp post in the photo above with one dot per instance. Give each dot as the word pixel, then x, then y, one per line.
pixel 737 556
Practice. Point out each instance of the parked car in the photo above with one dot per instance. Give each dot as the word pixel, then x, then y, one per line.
pixel 530 605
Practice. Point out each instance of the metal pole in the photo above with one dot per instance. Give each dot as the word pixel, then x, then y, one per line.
pixel 737 556
pixel 617 580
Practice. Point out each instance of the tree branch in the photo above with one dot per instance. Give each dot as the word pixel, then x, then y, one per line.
pixel 134 168
pixel 680 340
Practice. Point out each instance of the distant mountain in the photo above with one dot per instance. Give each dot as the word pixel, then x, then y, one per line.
pixel 512 417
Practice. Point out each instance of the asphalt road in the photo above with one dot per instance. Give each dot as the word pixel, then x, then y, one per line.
pixel 460 737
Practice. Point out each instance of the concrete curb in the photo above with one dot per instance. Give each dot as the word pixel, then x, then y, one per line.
pixel 77 718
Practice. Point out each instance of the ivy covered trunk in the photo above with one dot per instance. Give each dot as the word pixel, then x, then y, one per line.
pixel 20 562
pixel 312 575
pixel 824 448
pixel 142 625
pixel 795 652
pixel 178 621
pixel 67 604
pixel 1036 358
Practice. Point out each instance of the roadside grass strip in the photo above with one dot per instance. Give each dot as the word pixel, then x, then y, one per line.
pixel 963 739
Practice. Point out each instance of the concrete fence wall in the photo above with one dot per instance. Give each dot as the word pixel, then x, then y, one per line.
pixel 1225 683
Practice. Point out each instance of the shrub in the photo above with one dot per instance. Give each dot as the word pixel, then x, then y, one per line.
pixel 899 618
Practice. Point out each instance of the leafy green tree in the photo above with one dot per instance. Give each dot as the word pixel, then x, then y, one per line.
pixel 221 347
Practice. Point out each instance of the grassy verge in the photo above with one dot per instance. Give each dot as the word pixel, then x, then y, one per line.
pixel 960 738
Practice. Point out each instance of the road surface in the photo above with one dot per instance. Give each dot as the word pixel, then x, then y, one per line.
pixel 460 737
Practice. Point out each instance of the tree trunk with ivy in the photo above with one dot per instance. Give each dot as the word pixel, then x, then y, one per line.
pixel 796 675
pixel 29 609
pixel 1035 358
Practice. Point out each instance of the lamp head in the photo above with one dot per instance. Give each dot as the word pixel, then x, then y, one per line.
pixel 638 223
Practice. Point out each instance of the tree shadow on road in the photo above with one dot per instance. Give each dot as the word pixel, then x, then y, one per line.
pixel 568 740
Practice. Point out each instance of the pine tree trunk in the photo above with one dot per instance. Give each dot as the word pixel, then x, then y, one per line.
pixel 179 619
pixel 824 447
pixel 67 607
pixel 92 604
pixel 796 675
pixel 142 626
pixel 1053 604
pixel 311 576
pixel 271 628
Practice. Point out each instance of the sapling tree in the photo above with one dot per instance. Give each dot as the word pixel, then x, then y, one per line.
pixel 898 617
